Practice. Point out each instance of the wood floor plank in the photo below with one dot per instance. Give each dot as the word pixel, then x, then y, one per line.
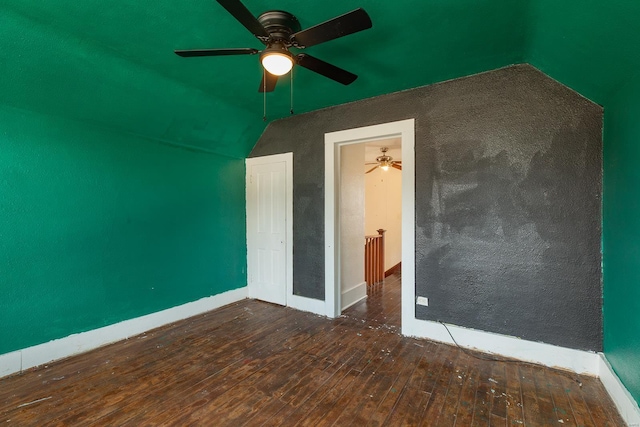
pixel 98 374
pixel 114 353
pixel 598 401
pixel 289 407
pixel 415 352
pixel 513 391
pixel 466 402
pixel 253 363
pixel 160 377
pixel 328 412
pixel 355 355
pixel 498 416
pixel 531 408
pixel 313 384
pixel 384 392
pixel 484 397
pixel 204 365
pixel 561 406
pixel 228 407
pixel 447 416
pixel 242 366
pixel 277 381
pixel 545 399
pixel 578 406
pixel 376 386
pixel 340 376
pixel 409 408
pixel 437 393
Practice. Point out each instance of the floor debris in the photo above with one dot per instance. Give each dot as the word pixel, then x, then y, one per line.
pixel 34 401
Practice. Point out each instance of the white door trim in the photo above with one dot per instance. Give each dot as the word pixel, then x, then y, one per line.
pixel 287 158
pixel 405 129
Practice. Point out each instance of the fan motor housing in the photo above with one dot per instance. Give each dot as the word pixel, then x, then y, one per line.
pixel 279 24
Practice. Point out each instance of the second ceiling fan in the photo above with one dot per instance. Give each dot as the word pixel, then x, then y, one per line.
pixel 384 162
pixel 280 31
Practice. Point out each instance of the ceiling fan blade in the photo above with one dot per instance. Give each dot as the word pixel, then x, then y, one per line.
pixel 216 52
pixel 268 83
pixel 396 166
pixel 246 18
pixel 325 69
pixel 371 170
pixel 343 25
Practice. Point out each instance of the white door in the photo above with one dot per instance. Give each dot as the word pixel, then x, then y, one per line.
pixel 267 229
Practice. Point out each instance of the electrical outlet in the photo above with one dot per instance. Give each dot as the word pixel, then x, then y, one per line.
pixel 422 301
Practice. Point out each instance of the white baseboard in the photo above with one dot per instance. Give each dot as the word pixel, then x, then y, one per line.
pixel 10 363
pixel 306 304
pixel 626 404
pixel 545 354
pixel 583 362
pixel 353 295
pixel 29 357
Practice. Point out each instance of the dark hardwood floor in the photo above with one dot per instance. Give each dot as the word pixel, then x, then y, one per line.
pixel 382 306
pixel 253 363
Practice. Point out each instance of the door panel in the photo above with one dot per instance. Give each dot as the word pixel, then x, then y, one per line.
pixel 266 231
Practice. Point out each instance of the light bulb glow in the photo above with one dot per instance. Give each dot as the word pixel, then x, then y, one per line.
pixel 384 166
pixel 277 63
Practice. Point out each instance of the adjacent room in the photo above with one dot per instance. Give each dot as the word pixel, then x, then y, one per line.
pixel 186 230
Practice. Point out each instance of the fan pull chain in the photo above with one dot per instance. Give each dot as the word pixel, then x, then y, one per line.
pixel 264 95
pixel 291 72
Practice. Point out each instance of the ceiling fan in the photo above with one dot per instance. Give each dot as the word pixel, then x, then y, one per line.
pixel 384 162
pixel 279 31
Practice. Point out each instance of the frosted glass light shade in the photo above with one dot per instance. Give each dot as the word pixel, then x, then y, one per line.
pixel 277 63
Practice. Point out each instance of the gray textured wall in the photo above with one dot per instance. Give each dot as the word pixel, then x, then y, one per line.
pixel 508 195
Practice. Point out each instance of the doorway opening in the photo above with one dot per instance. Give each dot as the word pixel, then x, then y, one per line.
pixel 334 142
pixel 370 208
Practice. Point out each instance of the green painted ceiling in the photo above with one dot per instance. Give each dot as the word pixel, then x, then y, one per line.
pixel 111 64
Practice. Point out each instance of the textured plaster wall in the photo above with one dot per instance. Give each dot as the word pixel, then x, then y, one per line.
pixel 97 227
pixel 508 194
pixel 508 209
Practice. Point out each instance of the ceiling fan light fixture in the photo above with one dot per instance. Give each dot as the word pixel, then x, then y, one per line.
pixel 384 161
pixel 277 60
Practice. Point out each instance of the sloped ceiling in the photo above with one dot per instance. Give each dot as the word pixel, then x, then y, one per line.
pixel 112 64
pixel 591 46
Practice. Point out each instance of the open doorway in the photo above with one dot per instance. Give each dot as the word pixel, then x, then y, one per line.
pixel 369 208
pixel 371 228
pixel 404 131
pixel 383 203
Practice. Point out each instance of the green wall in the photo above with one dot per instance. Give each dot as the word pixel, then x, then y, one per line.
pixel 98 227
pixel 593 47
pixel 621 236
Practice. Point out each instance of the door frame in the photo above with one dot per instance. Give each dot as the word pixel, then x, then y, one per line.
pixel 287 158
pixel 405 129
